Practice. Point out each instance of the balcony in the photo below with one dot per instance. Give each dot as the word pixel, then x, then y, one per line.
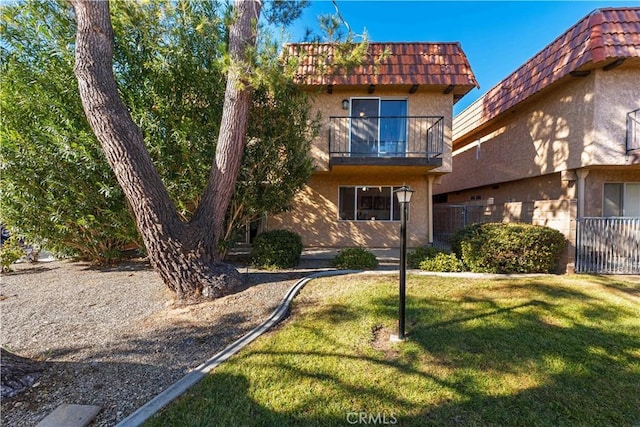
pixel 386 141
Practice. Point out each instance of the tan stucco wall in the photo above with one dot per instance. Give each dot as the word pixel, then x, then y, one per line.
pixel 546 200
pixel 421 103
pixel 594 185
pixel 579 122
pixel 547 187
pixel 544 136
pixel 618 92
pixel 315 214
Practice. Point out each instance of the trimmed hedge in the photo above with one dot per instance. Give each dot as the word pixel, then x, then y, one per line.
pixel 509 248
pixel 276 249
pixel 442 262
pixel 355 259
pixel 416 256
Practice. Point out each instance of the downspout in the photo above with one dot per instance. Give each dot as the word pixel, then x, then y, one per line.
pixel 431 179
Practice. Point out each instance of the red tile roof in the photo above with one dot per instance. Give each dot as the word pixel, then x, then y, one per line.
pixel 398 64
pixel 599 39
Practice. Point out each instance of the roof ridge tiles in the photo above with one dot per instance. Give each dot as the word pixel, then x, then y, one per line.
pixel 407 63
pixel 589 40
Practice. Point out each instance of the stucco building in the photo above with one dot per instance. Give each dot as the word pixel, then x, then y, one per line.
pixel 384 124
pixel 558 139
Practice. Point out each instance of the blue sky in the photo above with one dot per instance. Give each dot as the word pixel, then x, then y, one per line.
pixel 497 36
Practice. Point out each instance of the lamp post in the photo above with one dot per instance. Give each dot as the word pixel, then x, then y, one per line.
pixel 404 197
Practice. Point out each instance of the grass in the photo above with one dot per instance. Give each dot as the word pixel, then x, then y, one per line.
pixel 544 351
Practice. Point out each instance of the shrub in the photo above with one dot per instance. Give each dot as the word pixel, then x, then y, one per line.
pixel 10 252
pixel 416 256
pixel 464 234
pixel 442 262
pixel 355 259
pixel 510 248
pixel 276 249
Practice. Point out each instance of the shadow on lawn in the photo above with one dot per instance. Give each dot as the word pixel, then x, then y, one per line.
pixel 558 359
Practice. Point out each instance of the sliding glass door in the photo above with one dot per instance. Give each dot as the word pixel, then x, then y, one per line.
pixel 393 127
pixel 378 127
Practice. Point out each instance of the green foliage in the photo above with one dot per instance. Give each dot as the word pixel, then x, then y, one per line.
pixel 510 248
pixel 442 262
pixel 10 251
pixel 417 255
pixel 56 187
pixel 466 233
pixel 549 351
pixel 169 61
pixel 276 162
pixel 276 249
pixel 355 259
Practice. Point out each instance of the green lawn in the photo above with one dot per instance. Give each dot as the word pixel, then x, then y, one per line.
pixel 543 351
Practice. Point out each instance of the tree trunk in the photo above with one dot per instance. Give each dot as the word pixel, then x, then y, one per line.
pixel 17 373
pixel 184 254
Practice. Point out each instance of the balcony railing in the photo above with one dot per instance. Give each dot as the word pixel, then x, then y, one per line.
pixel 394 140
pixel 633 131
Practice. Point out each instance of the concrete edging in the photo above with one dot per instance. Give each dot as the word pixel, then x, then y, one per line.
pixel 178 388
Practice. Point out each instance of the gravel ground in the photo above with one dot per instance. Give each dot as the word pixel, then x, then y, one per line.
pixel 113 337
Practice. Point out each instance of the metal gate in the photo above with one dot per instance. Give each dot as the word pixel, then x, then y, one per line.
pixel 447 219
pixel 608 245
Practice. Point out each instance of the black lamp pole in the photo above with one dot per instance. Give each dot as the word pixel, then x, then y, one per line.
pixel 403 268
pixel 404 196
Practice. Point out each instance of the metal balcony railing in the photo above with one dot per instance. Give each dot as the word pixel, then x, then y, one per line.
pixel 633 131
pixel 416 137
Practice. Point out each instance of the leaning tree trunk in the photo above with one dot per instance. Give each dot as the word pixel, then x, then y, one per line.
pixel 17 373
pixel 184 254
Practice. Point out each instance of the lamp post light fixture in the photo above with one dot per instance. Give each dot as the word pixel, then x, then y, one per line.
pixel 345 104
pixel 404 197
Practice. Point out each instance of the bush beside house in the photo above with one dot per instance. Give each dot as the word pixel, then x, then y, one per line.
pixel 355 259
pixel 276 249
pixel 508 248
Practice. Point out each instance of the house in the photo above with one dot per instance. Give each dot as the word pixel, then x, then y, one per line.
pixel 558 141
pixel 385 123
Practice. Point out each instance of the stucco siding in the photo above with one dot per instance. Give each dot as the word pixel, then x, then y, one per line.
pixel 315 215
pixel 422 103
pixel 618 93
pixel 594 185
pixel 546 187
pixel 546 135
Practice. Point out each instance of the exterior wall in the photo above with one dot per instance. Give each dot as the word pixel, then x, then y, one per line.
pixel 594 185
pixel 578 123
pixel 554 186
pixel 618 93
pixel 544 136
pixel 546 200
pixel 421 103
pixel 315 214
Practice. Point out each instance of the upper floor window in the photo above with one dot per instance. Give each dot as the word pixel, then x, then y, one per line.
pixel 621 199
pixel 378 126
pixel 369 203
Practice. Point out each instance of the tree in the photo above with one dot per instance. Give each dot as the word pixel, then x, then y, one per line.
pixel 17 373
pixel 56 187
pixel 183 253
pixel 169 60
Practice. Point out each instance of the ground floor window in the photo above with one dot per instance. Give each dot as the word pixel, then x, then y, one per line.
pixel 621 199
pixel 369 203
